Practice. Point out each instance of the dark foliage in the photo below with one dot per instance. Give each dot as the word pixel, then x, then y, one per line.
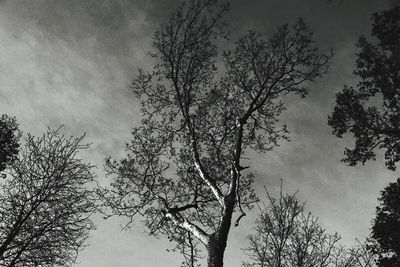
pixel 386 227
pixel 9 140
pixel 371 110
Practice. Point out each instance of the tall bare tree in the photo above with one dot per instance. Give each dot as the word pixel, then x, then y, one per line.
pixel 44 203
pixel 183 172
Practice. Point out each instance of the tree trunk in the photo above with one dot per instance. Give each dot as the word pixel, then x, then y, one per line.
pixel 216 249
pixel 218 240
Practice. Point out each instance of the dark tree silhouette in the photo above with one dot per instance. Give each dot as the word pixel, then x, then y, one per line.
pixel 184 171
pixel 44 205
pixel 9 140
pixel 386 227
pixel 371 110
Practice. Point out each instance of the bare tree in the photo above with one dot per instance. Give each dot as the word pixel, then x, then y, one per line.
pixel 183 168
pixel 44 203
pixel 362 256
pixel 358 256
pixel 287 236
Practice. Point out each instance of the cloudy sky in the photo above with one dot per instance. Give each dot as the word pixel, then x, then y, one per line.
pixel 71 62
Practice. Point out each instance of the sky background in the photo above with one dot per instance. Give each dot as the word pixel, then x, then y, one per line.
pixel 71 62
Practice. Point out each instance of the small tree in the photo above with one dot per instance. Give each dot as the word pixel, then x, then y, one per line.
pixel 9 140
pixel 44 205
pixel 386 227
pixel 184 171
pixel 288 237
pixel 358 256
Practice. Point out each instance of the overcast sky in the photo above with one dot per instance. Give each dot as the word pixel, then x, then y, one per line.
pixel 71 62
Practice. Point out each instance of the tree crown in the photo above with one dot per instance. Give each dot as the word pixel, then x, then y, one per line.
pixel 183 170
